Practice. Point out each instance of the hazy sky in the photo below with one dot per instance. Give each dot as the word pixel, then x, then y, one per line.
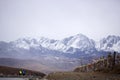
pixel 59 18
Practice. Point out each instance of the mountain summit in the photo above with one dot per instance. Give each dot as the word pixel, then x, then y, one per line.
pixel 70 44
pixel 62 54
pixel 110 43
pixel 78 41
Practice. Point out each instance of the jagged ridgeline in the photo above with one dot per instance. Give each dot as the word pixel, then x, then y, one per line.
pixel 55 55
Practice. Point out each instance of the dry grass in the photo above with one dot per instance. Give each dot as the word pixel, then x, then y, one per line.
pixel 82 76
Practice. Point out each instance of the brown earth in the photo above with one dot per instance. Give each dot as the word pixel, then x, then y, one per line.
pixel 82 76
pixel 5 71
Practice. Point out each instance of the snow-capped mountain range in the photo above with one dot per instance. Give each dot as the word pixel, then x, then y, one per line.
pixel 62 54
pixel 70 44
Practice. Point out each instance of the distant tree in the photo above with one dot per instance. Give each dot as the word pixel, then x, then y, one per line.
pixel 114 56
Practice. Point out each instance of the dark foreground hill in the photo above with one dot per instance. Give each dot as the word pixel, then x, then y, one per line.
pixel 14 72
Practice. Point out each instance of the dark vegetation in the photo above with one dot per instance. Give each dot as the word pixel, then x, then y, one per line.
pixel 14 72
pixel 110 64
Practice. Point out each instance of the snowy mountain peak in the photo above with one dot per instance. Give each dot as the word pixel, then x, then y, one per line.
pixel 80 41
pixel 110 43
pixel 80 35
pixel 70 44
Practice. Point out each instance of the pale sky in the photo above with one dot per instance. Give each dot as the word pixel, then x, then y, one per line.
pixel 58 19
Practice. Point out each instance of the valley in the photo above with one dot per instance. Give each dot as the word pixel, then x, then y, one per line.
pixel 59 59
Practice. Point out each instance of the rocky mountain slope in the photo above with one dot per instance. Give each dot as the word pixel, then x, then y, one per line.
pixel 62 54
